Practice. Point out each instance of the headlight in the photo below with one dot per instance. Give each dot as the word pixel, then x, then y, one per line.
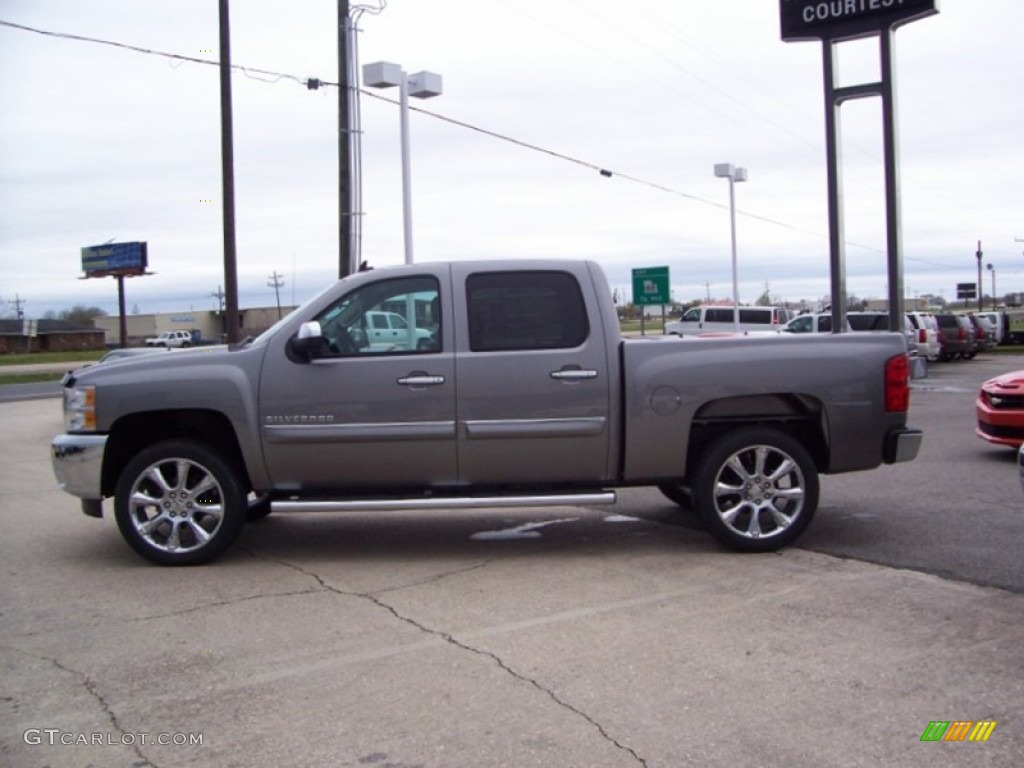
pixel 80 409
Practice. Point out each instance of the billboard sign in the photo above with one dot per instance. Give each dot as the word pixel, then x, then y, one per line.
pixel 650 286
pixel 845 19
pixel 114 259
pixel 967 290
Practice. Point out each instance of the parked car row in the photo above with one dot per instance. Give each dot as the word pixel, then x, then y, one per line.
pixel 933 335
pixel 964 335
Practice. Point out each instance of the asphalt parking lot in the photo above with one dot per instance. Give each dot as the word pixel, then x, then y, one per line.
pixel 617 636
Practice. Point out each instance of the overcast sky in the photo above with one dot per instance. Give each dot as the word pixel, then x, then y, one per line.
pixel 99 143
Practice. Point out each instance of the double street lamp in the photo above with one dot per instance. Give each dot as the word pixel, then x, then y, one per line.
pixel 733 174
pixel 422 85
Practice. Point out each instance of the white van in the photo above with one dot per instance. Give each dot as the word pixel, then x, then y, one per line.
pixel 715 318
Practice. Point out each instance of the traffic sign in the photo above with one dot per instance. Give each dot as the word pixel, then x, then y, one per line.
pixel 651 286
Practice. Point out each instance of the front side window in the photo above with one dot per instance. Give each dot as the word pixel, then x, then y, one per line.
pixel 400 316
pixel 801 324
pixel 525 310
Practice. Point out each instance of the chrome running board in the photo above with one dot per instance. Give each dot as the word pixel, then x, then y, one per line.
pixel 442 502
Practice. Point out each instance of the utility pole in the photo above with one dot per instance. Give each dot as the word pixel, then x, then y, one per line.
pixel 276 282
pixel 345 213
pixel 219 296
pixel 18 301
pixel 231 329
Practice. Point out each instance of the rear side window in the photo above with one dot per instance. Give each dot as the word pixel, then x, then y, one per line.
pixel 869 322
pixel 756 316
pixel 525 310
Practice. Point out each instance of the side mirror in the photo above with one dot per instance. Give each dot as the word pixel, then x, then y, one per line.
pixel 308 342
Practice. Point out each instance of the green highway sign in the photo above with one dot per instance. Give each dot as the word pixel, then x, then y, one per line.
pixel 650 286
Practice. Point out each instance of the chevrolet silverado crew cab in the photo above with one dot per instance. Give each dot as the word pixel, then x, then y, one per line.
pixel 526 395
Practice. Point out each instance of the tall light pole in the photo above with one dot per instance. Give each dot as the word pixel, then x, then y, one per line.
pixel 979 254
pixel 733 174
pixel 993 271
pixel 422 85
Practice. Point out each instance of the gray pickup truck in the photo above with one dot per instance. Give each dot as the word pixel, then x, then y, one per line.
pixel 514 388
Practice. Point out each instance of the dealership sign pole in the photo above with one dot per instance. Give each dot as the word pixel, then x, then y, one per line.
pixel 833 22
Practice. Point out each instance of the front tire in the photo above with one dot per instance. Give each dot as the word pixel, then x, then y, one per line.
pixel 757 489
pixel 677 494
pixel 179 503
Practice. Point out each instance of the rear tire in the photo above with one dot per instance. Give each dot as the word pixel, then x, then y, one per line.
pixel 756 488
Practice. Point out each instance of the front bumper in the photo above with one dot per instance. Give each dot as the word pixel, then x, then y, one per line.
pixel 1000 426
pixel 78 464
pixel 902 445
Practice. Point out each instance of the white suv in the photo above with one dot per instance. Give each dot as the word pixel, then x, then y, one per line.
pixel 171 339
pixel 926 334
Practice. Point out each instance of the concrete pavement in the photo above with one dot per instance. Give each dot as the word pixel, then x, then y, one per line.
pixel 549 637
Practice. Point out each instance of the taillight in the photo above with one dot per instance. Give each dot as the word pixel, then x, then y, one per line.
pixel 922 336
pixel 962 335
pixel 897 384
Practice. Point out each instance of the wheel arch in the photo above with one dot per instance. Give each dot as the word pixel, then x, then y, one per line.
pixel 137 431
pixel 800 416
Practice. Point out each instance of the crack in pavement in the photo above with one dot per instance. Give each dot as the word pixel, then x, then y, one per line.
pixel 433 579
pixel 90 687
pixel 451 640
pixel 396 588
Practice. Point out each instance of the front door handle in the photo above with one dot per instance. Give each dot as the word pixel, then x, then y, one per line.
pixel 573 374
pixel 420 380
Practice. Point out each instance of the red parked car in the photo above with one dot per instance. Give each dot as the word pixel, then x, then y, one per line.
pixel 1000 410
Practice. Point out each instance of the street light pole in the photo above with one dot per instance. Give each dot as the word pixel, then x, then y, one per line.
pixel 403 109
pixel 993 271
pixel 979 254
pixel 733 174
pixel 422 85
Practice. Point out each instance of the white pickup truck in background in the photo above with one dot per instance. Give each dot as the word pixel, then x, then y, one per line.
pixel 391 328
pixel 171 339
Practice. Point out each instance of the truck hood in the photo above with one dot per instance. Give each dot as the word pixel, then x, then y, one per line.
pixel 159 360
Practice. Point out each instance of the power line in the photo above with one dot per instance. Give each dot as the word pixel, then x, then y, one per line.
pixel 315 83
pixel 248 71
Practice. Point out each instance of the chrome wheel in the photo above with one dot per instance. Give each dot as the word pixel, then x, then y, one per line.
pixel 757 489
pixel 179 503
pixel 176 505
